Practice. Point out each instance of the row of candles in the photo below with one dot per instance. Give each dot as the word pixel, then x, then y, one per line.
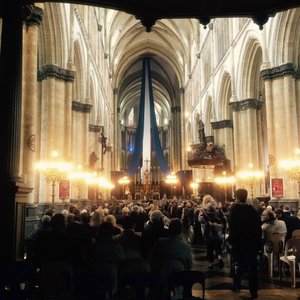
pixel 54 170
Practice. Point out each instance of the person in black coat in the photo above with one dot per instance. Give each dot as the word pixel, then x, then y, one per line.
pixel 245 237
pixel 154 229
pixel 292 222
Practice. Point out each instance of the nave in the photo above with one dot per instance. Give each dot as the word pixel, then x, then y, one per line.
pixel 219 283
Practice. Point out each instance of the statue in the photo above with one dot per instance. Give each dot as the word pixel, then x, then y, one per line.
pixel 201 134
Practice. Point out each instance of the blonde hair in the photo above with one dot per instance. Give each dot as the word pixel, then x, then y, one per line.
pixel 111 218
pixel 208 200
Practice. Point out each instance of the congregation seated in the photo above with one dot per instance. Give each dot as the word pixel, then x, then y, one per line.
pixel 159 243
pixel 56 245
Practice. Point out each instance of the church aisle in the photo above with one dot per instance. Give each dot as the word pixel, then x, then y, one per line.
pixel 219 282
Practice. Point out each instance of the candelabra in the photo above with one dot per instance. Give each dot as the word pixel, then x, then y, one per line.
pixel 98 182
pixel 251 178
pixel 171 180
pixel 124 181
pixel 194 186
pixel 78 178
pixel 292 168
pixel 225 181
pixel 53 171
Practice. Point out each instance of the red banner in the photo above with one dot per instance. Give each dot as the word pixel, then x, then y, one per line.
pixel 277 187
pixel 64 189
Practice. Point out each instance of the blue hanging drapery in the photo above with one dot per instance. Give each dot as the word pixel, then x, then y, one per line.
pixel 138 144
pixel 155 141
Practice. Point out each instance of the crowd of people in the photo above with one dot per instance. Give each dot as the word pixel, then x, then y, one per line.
pixel 99 238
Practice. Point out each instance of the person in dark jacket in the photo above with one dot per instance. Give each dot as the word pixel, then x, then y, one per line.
pixel 245 237
pixel 213 221
pixel 154 230
pixel 292 222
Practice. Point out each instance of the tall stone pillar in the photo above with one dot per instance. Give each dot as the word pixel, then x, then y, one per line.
pixel 176 134
pixel 116 157
pixel 184 135
pixel 30 103
pixel 69 90
pixel 12 191
pixel 282 118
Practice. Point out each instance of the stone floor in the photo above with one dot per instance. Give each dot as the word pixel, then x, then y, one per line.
pixel 219 282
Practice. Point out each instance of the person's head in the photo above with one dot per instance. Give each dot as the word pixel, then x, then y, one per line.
pixel 49 212
pixel 105 231
pixel 111 219
pixel 241 195
pixel 70 218
pixel 65 212
pixel 128 223
pixel 58 222
pixel 175 227
pixel 85 218
pixel 46 222
pixel 286 209
pixel 267 216
pixel 208 201
pixel 126 211
pixel 156 216
pixel 279 213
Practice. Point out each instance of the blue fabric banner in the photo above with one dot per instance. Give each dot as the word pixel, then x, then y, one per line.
pixel 155 141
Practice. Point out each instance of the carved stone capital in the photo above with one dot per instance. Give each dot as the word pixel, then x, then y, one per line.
pixel 246 104
pixel 280 71
pixel 36 16
pixel 83 107
pixel 222 124
pixel 56 72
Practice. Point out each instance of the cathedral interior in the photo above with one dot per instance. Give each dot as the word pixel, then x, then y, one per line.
pixel 226 87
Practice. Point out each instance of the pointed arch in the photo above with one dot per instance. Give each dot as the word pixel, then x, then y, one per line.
pixel 250 77
pixel 224 112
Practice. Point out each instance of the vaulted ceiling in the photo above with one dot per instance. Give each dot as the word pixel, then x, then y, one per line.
pixel 163 30
pixel 149 11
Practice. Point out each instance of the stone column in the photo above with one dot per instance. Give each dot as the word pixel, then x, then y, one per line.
pixel 236 134
pixel 245 134
pixel 183 136
pixel 116 157
pixel 176 142
pixel 282 119
pixel 12 204
pixel 30 102
pixel 69 90
pixel 292 135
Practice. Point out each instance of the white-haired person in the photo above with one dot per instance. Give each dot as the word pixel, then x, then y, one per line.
pixel 213 223
pixel 154 230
